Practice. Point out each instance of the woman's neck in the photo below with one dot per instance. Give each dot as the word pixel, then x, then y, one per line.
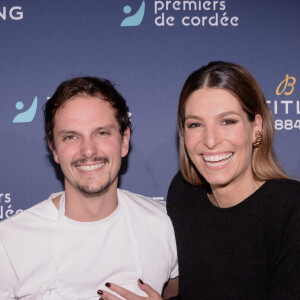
pixel 233 194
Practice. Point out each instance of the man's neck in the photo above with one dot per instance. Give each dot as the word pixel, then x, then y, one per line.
pixel 83 208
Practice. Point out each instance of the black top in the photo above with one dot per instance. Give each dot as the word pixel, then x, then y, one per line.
pixel 248 251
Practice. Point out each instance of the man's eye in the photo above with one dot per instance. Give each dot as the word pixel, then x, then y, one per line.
pixel 103 133
pixel 194 125
pixel 69 137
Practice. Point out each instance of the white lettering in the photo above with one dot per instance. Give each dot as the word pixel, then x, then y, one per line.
pixel 234 21
pixel 161 8
pixel 215 5
pixel 189 4
pixel 222 5
pixel 224 20
pixel 18 15
pixel 15 13
pixel 203 20
pixel 7 198
pixel 214 21
pixel 161 20
pixel 176 5
pixel 184 21
pixel 286 102
pixel 3 13
pixel 195 21
pixel 9 212
pixel 275 107
pixel 158 5
pixel 170 21
pixel 206 5
pixel 167 4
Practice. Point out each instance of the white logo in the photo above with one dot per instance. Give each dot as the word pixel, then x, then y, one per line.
pixel 13 13
pixel 197 14
pixel 6 210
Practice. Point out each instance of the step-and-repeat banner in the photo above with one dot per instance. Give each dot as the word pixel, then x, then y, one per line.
pixel 147 48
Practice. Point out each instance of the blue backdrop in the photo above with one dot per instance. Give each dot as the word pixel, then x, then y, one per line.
pixel 148 48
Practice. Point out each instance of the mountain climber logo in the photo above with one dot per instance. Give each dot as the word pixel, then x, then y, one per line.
pixel 28 115
pixel 135 19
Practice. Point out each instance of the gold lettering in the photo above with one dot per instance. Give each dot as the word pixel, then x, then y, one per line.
pixel 289 81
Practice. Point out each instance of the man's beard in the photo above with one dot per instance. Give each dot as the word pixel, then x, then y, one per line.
pixel 94 191
pixel 88 190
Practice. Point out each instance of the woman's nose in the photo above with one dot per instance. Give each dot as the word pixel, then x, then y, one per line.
pixel 212 137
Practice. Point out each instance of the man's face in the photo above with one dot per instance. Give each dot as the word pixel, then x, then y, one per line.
pixel 88 145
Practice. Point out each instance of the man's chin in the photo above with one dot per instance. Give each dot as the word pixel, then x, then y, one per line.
pixel 91 192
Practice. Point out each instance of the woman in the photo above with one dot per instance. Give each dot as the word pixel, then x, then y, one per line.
pixel 235 213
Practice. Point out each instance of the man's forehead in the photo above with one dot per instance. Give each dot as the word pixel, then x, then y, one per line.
pixel 85 112
pixel 87 104
pixel 84 96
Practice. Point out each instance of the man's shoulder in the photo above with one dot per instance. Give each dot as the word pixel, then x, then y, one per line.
pixel 147 216
pixel 141 202
pixel 42 210
pixel 144 209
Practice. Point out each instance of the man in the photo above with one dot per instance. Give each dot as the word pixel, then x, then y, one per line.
pixel 70 245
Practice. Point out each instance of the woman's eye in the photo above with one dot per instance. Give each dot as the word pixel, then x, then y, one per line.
pixel 228 122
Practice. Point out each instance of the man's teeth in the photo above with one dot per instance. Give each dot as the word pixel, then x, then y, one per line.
pixel 90 167
pixel 217 160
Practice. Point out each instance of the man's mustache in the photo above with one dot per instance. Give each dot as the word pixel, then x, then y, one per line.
pixel 86 160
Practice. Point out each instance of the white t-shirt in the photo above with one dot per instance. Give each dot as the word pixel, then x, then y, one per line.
pixel 45 255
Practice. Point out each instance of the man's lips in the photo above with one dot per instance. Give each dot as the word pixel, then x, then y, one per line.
pixel 84 164
pixel 90 167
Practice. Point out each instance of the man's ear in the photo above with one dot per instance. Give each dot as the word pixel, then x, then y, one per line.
pixel 125 142
pixel 52 148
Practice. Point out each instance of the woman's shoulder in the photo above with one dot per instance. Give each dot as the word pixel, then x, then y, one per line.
pixel 180 185
pixel 283 187
pixel 177 179
pixel 280 195
pixel 182 194
pixel 286 182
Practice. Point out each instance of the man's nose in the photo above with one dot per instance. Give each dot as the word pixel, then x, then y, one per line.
pixel 88 148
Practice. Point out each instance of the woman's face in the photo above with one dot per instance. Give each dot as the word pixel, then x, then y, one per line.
pixel 218 137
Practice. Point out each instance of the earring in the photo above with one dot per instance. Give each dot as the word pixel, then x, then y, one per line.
pixel 258 139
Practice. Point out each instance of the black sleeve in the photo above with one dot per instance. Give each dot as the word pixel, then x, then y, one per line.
pixel 174 192
pixel 175 298
pixel 284 281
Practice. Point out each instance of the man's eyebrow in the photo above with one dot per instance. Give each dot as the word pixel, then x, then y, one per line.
pixel 105 127
pixel 66 132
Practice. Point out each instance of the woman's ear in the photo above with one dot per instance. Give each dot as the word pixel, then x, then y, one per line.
pixel 257 127
pixel 258 123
